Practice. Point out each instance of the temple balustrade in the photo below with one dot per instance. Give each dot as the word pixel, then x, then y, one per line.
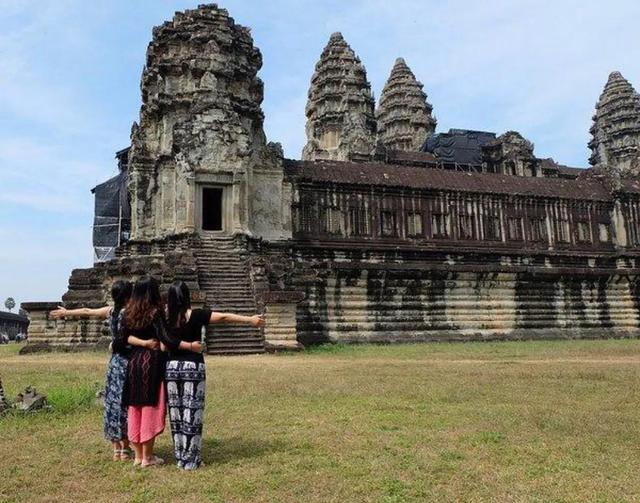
pixel 388 215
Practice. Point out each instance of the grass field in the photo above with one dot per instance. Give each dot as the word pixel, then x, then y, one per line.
pixel 517 421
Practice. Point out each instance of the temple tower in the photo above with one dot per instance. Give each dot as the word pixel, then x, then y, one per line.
pixel 340 108
pixel 199 158
pixel 615 142
pixel 403 114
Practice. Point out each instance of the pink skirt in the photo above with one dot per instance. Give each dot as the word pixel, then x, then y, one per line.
pixel 147 421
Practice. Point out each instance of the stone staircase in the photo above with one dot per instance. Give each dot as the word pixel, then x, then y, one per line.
pixel 224 279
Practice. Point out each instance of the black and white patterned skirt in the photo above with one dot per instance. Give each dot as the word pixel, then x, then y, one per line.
pixel 186 383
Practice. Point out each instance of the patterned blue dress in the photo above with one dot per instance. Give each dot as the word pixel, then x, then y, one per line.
pixel 115 411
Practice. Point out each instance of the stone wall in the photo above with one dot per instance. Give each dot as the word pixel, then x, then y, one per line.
pixel 446 218
pixel 46 333
pixel 404 297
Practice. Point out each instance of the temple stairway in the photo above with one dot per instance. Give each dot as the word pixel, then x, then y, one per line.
pixel 224 279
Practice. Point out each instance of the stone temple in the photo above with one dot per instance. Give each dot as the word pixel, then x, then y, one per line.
pixel 384 231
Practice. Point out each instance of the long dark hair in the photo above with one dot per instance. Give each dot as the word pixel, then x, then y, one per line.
pixel 120 293
pixel 178 302
pixel 144 305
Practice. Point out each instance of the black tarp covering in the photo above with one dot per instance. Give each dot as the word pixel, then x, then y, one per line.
pixel 460 146
pixel 112 216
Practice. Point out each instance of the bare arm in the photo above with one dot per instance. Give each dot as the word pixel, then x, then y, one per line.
pixel 143 343
pixel 83 312
pixel 257 320
pixel 168 342
pixel 195 347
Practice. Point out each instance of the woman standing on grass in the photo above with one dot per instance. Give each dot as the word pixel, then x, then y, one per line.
pixel 143 318
pixel 185 373
pixel 115 410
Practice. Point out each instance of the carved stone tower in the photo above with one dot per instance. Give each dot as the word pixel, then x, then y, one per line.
pixel 200 142
pixel 615 142
pixel 340 109
pixel 403 114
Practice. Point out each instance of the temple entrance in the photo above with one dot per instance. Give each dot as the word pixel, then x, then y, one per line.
pixel 212 209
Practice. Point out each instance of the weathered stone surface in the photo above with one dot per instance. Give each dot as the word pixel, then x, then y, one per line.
pixel 341 123
pixel 615 134
pixel 201 124
pixel 474 239
pixel 403 113
pixel 225 279
pixel 30 400
pixel 403 297
pixel 511 154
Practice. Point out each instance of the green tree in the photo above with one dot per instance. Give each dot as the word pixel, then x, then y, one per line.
pixel 10 303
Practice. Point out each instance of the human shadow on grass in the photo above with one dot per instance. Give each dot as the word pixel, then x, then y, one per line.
pixel 226 450
pixel 220 451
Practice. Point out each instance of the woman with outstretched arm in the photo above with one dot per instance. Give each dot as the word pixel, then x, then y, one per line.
pixel 185 371
pixel 143 318
pixel 115 410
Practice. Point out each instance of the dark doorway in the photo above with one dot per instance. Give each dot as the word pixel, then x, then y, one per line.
pixel 211 209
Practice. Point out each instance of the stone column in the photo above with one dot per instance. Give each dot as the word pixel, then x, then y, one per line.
pixel 280 330
pixel 618 226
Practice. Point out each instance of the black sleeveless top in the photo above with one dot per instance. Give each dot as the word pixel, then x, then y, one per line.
pixel 114 325
pixel 190 332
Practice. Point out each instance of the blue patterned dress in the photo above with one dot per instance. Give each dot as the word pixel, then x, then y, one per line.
pixel 115 411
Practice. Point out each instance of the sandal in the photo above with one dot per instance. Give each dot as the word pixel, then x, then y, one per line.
pixel 116 455
pixel 125 454
pixel 154 461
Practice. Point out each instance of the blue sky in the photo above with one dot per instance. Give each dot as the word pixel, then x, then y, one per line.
pixel 69 91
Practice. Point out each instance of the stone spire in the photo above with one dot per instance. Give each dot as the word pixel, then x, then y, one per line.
pixel 615 142
pixel 340 108
pixel 403 114
pixel 200 120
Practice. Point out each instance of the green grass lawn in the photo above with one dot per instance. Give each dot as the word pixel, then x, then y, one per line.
pixel 516 421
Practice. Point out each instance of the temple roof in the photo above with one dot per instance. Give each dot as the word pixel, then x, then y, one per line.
pixel 7 316
pixel 570 172
pixel 415 177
